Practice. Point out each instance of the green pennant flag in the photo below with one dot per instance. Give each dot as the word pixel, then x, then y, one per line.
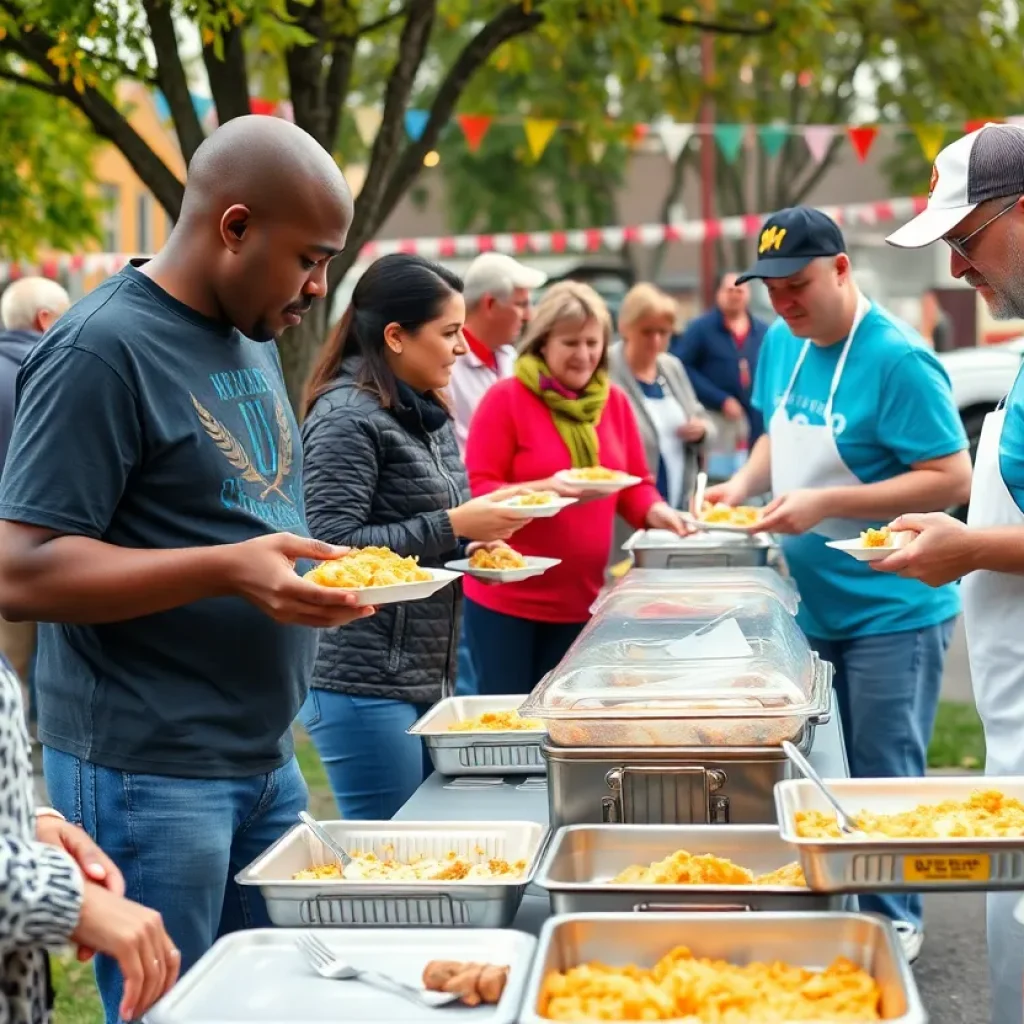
pixel 730 140
pixel 773 137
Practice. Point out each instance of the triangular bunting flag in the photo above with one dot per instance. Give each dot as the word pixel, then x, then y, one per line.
pixel 202 105
pixel 674 138
pixel 597 149
pixel 262 107
pixel 730 140
pixel 367 124
pixel 637 133
pixel 773 137
pixel 163 111
pixel 538 134
pixel 930 138
pixel 980 122
pixel 818 138
pixel 861 138
pixel 474 127
pixel 286 111
pixel 415 123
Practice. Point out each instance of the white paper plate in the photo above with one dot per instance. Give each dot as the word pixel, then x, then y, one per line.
pixel 855 548
pixel 403 591
pixel 555 506
pixel 534 567
pixel 599 486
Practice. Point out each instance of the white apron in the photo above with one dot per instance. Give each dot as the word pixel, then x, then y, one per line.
pixel 667 417
pixel 993 610
pixel 807 456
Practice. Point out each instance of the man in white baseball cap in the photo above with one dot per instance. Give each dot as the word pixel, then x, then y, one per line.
pixel 976 206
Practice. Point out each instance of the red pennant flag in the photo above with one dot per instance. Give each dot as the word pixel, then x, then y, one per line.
pixel 862 137
pixel 638 133
pixel 474 127
pixel 979 122
pixel 265 107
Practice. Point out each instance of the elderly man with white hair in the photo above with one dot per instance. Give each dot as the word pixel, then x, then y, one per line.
pixel 27 309
pixel 497 292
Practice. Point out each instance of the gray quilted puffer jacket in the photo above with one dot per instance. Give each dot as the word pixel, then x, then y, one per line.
pixel 375 476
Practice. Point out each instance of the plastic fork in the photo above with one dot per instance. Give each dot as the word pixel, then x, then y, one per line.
pixel 327 965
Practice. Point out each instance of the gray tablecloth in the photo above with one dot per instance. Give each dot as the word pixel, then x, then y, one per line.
pixel 507 802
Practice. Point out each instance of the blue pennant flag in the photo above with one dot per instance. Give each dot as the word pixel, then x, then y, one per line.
pixel 416 123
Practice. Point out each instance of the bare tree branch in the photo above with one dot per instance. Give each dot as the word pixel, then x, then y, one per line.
pixel 373 26
pixel 229 78
pixel 171 77
pixel 32 83
pixel 719 28
pixel 337 83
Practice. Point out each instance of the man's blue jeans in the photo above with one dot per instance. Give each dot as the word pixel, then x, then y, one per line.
pixel 372 764
pixel 179 844
pixel 888 688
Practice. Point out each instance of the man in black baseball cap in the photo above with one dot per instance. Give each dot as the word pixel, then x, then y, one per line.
pixel 860 421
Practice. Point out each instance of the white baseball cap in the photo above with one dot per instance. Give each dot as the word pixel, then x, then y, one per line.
pixel 493 264
pixel 986 164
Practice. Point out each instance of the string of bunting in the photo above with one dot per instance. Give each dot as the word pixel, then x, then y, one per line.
pixel 731 139
pixel 525 243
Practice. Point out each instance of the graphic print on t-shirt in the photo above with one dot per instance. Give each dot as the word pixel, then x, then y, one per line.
pixel 263 458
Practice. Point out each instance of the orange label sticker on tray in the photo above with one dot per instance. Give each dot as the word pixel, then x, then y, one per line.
pixel 973 868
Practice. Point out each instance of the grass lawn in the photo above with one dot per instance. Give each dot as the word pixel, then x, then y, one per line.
pixel 957 743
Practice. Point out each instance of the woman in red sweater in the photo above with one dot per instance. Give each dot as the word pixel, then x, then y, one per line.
pixel 557 412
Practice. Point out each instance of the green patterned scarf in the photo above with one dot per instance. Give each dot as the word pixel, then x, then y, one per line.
pixel 576 417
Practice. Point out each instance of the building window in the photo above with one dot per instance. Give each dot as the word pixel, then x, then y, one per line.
pixel 144 224
pixel 111 219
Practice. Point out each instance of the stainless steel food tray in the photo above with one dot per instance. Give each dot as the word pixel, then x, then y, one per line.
pixel 478 753
pixel 880 865
pixel 809 940
pixel 261 977
pixel 581 859
pixel 660 549
pixel 334 903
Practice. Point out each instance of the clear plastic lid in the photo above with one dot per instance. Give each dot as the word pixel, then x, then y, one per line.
pixel 686 586
pixel 740 655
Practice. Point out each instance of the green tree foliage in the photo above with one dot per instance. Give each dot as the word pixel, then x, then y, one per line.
pixel 46 200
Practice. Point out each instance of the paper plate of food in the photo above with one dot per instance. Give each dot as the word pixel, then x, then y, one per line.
pixel 537 504
pixel 502 565
pixel 873 545
pixel 379 576
pixel 721 518
pixel 598 479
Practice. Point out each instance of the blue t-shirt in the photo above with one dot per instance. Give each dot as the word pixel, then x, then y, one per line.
pixel 143 424
pixel 1011 443
pixel 893 408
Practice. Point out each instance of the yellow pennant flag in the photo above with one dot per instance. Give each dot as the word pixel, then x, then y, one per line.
pixel 597 148
pixel 930 137
pixel 367 123
pixel 538 134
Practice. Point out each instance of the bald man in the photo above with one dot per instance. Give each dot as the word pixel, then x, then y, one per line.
pixel 152 512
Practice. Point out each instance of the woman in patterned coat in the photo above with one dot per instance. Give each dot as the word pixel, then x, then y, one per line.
pixel 57 888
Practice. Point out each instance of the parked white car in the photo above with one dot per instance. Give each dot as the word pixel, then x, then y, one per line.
pixel 981 378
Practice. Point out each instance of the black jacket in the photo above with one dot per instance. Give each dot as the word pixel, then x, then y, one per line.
pixel 376 476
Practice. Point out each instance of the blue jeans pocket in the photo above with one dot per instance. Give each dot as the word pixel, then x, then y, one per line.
pixel 310 713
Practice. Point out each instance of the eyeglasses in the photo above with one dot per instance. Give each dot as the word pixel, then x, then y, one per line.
pixel 959 245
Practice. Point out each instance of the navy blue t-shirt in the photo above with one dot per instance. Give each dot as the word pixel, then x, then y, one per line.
pixel 143 424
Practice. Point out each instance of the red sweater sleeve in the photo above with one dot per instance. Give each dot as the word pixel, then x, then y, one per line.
pixel 635 502
pixel 491 444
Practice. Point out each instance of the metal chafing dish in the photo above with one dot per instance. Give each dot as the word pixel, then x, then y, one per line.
pixel 351 903
pixel 581 861
pixel 515 752
pixel 881 865
pixel 261 976
pixel 808 940
pixel 671 707
pixel 662 549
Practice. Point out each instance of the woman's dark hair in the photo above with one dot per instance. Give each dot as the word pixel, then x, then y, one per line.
pixel 399 288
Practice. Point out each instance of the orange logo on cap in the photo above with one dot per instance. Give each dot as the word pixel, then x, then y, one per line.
pixel 934 180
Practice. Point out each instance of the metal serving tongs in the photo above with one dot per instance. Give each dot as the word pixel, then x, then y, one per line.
pixel 321 833
pixel 847 824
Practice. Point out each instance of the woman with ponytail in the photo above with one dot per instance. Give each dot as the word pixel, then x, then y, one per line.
pixel 382 469
pixel 559 411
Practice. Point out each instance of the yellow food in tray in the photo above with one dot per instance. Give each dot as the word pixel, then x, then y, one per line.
pixel 499 558
pixel 535 498
pixel 987 814
pixel 877 538
pixel 452 867
pixel 498 721
pixel 367 567
pixel 727 515
pixel 595 474
pixel 682 868
pixel 683 987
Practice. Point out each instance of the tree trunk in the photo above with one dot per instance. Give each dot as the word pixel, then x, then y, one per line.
pixel 299 348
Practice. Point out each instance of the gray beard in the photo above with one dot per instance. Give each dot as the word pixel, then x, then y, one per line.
pixel 1007 302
